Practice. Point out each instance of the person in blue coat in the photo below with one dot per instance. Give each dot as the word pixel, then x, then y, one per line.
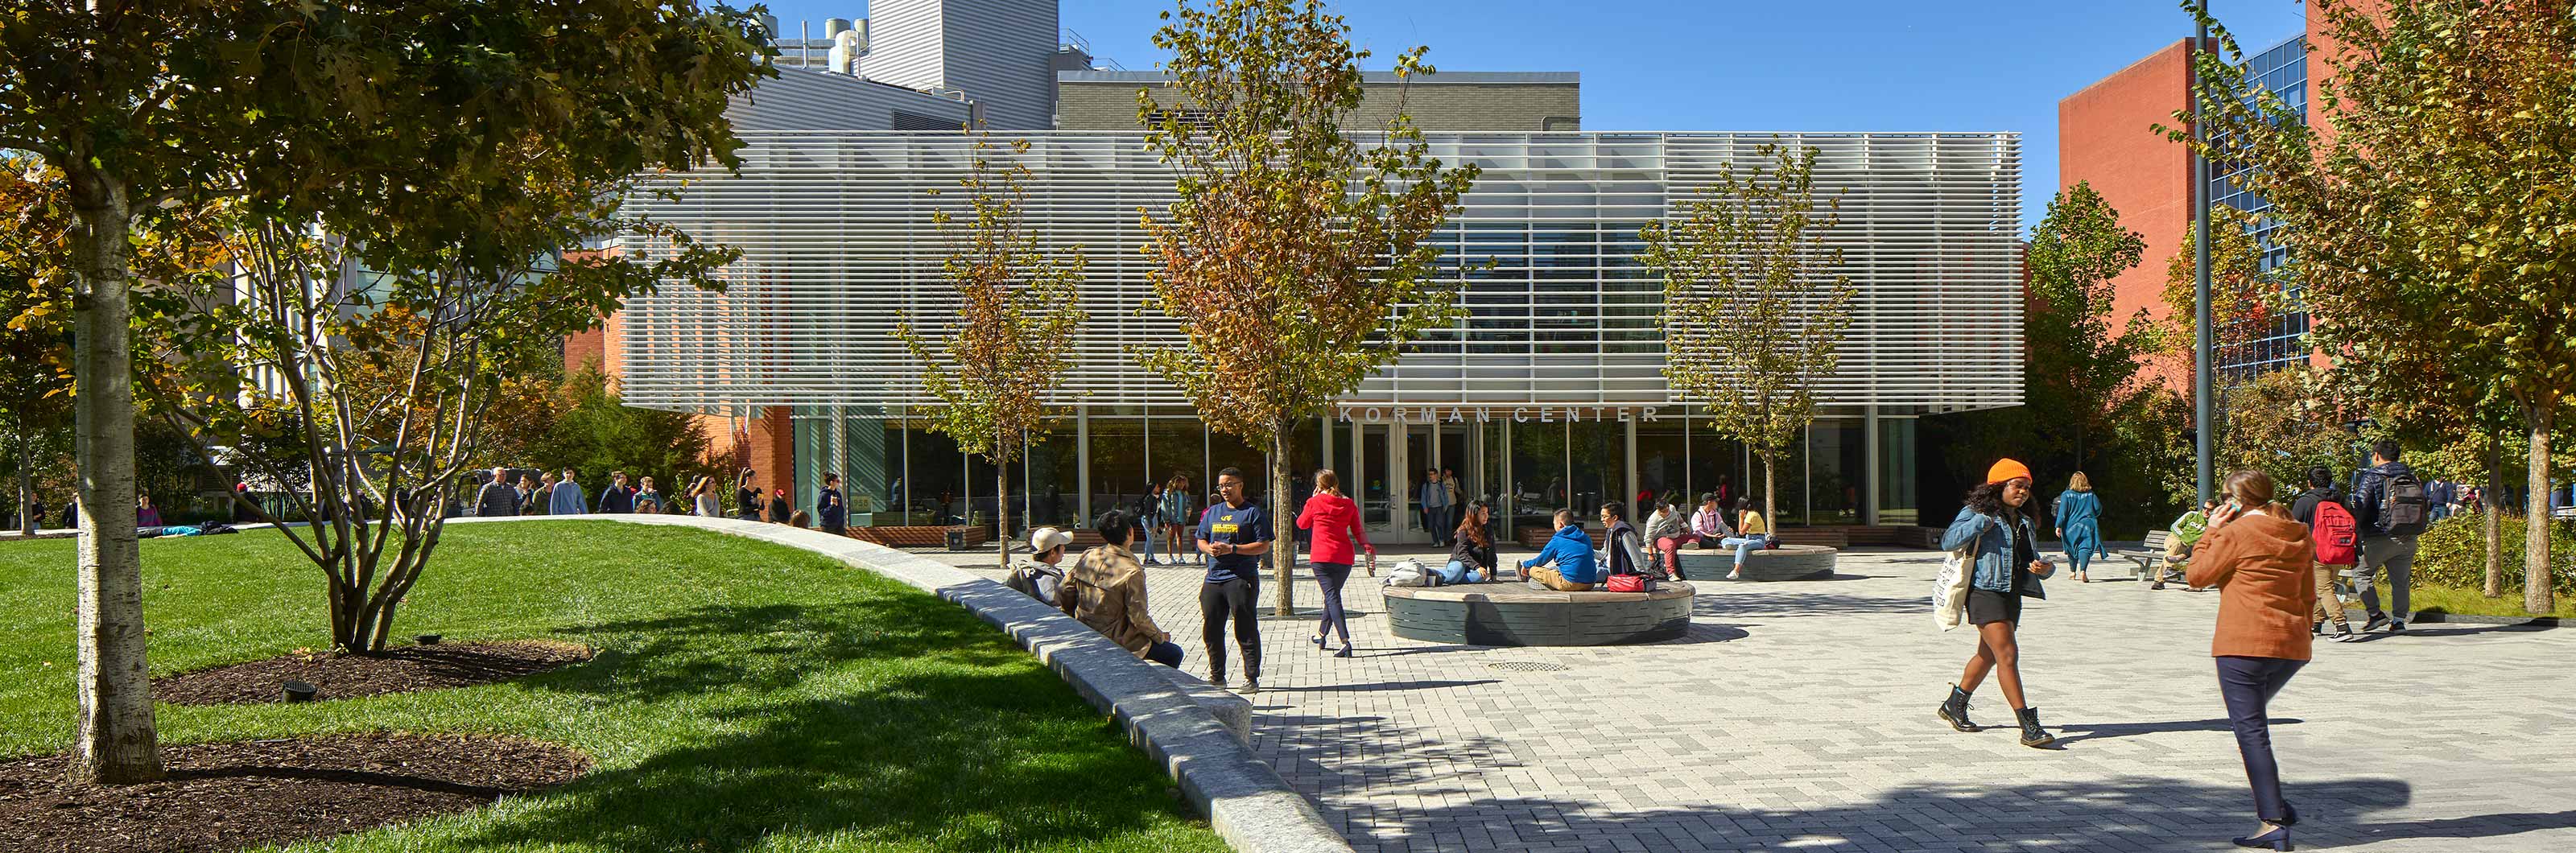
pixel 1570 553
pixel 2079 524
pixel 1996 534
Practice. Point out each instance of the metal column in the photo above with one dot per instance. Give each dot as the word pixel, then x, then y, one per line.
pixel 1870 480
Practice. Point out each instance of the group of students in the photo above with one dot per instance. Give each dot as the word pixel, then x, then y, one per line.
pixel 553 496
pixel 1105 587
pixel 2271 564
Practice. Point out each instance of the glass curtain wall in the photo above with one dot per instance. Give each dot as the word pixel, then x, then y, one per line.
pixel 1835 470
pixel 1663 463
pixel 1117 457
pixel 1896 477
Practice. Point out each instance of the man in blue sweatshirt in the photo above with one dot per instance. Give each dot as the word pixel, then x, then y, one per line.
pixel 1573 569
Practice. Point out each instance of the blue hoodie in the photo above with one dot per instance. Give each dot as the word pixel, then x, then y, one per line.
pixel 1571 551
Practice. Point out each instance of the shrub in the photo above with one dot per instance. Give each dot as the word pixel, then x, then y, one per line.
pixel 2454 554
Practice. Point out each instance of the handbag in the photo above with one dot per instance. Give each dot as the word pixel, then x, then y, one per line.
pixel 1630 583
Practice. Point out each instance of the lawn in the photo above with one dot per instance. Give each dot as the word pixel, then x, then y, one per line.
pixel 747 697
pixel 2422 597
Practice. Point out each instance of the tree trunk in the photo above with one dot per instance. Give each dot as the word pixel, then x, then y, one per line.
pixel 1770 501
pixel 115 741
pixel 1283 531
pixel 26 482
pixel 1002 505
pixel 2493 520
pixel 2535 534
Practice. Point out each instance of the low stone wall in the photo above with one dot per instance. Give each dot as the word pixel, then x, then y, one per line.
pixel 1198 733
pixel 1785 563
pixel 1516 614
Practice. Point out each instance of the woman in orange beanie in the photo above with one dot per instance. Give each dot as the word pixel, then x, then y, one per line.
pixel 1997 531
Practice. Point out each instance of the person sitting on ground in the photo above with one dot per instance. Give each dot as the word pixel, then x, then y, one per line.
pixel 1668 529
pixel 1566 564
pixel 1472 558
pixel 1040 576
pixel 1105 589
pixel 800 520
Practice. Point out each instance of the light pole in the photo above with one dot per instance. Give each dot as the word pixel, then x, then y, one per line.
pixel 2204 372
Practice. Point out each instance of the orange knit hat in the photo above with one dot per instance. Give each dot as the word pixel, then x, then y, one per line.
pixel 2006 469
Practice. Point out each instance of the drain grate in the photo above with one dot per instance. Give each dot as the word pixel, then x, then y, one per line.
pixel 1529 666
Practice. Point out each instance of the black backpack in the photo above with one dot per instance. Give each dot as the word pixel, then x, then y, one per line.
pixel 2404 511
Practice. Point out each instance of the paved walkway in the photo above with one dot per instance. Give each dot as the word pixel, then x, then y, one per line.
pixel 1799 715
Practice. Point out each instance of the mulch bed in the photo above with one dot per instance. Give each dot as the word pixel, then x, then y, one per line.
pixel 244 794
pixel 343 676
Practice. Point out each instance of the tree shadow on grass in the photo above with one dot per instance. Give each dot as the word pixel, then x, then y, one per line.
pixel 772 646
pixel 937 759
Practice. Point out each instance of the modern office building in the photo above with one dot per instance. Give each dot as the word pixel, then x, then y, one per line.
pixel 2106 137
pixel 1548 393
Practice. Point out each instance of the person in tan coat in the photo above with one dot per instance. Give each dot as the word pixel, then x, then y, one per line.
pixel 1105 589
pixel 2260 561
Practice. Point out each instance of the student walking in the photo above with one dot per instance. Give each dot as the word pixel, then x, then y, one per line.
pixel 2261 563
pixel 615 497
pixel 1105 589
pixel 566 498
pixel 746 496
pixel 535 493
pixel 2393 509
pixel 497 499
pixel 1175 517
pixel 1148 515
pixel 834 512
pixel 1335 524
pixel 2336 538
pixel 1996 529
pixel 1435 508
pixel 2079 524
pixel 1233 533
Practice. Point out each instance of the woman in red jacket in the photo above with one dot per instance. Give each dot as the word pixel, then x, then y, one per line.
pixel 1335 522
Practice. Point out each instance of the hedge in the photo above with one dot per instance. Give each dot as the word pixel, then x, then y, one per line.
pixel 2454 554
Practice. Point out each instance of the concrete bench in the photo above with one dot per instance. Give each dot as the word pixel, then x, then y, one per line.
pixel 1785 563
pixel 1516 614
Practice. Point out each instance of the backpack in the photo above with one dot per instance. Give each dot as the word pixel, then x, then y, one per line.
pixel 2403 508
pixel 2337 536
pixel 1411 573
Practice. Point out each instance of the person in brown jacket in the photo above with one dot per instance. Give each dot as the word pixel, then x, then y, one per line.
pixel 2260 560
pixel 1105 589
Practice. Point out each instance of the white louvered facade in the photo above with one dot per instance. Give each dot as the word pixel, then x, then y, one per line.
pixel 839 247
pixel 999 53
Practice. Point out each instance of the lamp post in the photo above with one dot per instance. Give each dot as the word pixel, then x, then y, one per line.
pixel 2204 372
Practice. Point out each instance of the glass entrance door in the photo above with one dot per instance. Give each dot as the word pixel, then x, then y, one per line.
pixel 1385 480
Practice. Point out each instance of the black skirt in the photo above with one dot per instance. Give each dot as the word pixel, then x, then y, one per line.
pixel 1985 605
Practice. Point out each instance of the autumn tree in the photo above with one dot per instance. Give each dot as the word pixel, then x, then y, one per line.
pixel 390 263
pixel 2244 300
pixel 2080 367
pixel 1755 302
pixel 1295 259
pixel 1017 311
pixel 35 359
pixel 2426 204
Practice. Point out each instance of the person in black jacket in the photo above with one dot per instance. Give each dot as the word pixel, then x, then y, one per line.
pixel 2385 545
pixel 1473 553
pixel 497 499
pixel 746 497
pixel 616 497
pixel 2321 490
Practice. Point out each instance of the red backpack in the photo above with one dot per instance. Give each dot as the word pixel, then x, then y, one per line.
pixel 2336 536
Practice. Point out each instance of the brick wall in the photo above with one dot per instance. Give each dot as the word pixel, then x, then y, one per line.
pixel 2106 137
pixel 1091 105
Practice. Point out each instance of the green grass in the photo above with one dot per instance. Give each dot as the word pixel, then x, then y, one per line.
pixel 748 697
pixel 2470 602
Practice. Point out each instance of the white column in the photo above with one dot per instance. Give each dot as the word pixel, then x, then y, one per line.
pixel 1082 462
pixel 1869 454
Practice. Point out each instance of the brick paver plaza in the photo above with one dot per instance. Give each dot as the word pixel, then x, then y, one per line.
pixel 1799 716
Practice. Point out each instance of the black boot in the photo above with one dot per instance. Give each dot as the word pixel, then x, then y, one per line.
pixel 2031 734
pixel 1955 710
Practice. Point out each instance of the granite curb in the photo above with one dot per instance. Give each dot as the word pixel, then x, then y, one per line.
pixel 1198 733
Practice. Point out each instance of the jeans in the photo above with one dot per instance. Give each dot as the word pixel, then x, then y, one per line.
pixel 1435 520
pixel 1330 577
pixel 1165 653
pixel 1231 599
pixel 2398 557
pixel 1744 547
pixel 2248 684
pixel 1144 543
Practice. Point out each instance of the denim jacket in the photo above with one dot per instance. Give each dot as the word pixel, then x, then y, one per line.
pixel 1994 546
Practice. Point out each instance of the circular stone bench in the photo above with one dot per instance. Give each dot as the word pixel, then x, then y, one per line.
pixel 1785 563
pixel 1516 614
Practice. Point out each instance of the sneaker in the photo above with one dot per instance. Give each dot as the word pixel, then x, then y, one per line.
pixel 2396 627
pixel 1733 576
pixel 2377 621
pixel 1251 686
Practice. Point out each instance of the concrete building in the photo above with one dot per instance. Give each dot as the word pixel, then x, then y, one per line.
pixel 1450 100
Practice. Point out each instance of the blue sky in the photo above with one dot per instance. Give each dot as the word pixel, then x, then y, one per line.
pixel 1822 65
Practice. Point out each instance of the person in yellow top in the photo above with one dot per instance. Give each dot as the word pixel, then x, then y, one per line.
pixel 1752 534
